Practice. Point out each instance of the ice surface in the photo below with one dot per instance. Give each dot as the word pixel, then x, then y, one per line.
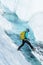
pixel 13 25
pixel 6 43
pixel 36 24
pixel 11 4
pixel 38 55
pixel 5 24
pixel 8 52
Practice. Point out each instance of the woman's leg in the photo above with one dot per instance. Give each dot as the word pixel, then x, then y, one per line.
pixel 29 44
pixel 21 45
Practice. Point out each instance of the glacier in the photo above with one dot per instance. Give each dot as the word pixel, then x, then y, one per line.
pixel 10 27
pixel 8 52
pixel 8 31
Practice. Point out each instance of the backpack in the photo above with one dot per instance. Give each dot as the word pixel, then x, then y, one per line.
pixel 22 35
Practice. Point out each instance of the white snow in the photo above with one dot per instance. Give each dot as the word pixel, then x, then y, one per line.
pixel 8 52
pixel 27 8
pixel 38 55
pixel 5 24
pixel 24 8
pixel 11 4
pixel 36 23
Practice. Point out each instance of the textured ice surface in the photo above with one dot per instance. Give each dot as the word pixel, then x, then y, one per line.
pixel 11 53
pixel 8 52
pixel 13 25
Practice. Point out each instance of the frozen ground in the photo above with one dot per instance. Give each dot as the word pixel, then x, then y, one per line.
pixel 11 53
pixel 8 52
pixel 10 27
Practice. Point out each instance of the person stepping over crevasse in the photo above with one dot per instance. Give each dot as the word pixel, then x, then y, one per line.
pixel 25 39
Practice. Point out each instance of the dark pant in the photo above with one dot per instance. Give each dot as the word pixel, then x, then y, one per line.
pixel 25 41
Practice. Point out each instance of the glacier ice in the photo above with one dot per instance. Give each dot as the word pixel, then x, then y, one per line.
pixel 8 52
